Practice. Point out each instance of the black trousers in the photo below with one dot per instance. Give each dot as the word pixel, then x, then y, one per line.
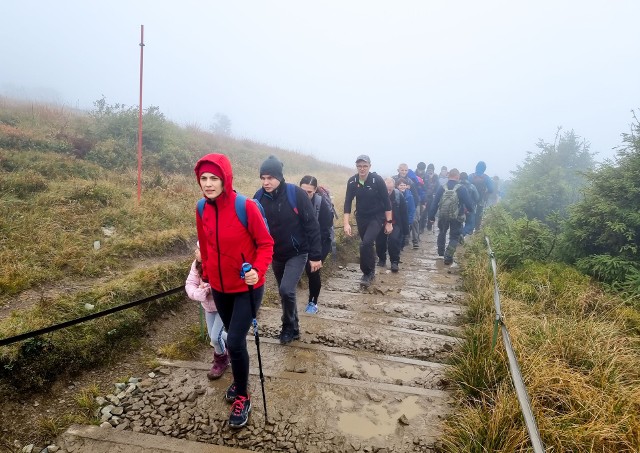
pixel 368 229
pixel 389 242
pixel 454 226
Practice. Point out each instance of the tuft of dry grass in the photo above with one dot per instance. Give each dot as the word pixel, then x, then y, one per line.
pixel 185 348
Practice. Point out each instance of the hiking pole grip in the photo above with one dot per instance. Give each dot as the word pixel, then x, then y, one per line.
pixel 246 267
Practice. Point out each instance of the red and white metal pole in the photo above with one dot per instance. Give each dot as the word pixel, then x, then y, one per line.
pixel 140 117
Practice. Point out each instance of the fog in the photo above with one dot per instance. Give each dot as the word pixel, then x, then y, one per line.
pixel 405 81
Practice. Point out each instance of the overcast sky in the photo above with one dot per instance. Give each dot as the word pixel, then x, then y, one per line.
pixel 448 82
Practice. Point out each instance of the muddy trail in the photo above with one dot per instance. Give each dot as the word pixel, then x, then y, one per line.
pixel 368 374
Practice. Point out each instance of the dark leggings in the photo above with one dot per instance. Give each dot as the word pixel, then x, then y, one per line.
pixel 315 282
pixel 235 311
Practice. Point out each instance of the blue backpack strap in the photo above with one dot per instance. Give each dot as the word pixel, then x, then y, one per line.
pixel 291 197
pixel 200 206
pixel 264 214
pixel 241 209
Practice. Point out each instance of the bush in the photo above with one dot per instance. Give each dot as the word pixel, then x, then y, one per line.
pixel 515 241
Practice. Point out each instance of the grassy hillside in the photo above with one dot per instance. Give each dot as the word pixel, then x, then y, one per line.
pixel 58 191
pixel 68 180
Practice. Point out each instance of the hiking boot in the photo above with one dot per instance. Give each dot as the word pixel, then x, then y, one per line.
pixel 231 393
pixel 312 308
pixel 429 226
pixel 394 266
pixel 382 263
pixel 220 364
pixel 461 240
pixel 416 245
pixel 287 337
pixel 240 410
pixel 448 260
pixel 367 279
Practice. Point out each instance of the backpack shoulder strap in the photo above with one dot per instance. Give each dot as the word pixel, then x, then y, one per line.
pixel 241 209
pixel 317 202
pixel 201 202
pixel 397 196
pixel 291 197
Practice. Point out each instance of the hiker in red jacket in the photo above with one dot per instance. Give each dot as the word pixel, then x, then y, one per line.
pixel 225 244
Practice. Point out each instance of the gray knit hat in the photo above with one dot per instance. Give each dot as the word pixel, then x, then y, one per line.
pixel 272 167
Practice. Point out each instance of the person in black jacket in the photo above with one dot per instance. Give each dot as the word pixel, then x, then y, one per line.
pixel 373 213
pixel 400 221
pixel 324 213
pixel 296 235
pixel 450 194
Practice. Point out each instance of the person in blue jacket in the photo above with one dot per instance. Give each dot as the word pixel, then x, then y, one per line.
pixel 402 184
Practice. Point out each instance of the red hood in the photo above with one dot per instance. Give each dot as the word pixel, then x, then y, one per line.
pixel 222 162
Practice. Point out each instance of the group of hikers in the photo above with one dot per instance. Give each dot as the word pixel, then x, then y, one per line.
pixel 290 228
pixel 391 212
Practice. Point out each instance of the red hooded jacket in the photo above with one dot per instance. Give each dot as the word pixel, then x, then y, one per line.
pixel 224 242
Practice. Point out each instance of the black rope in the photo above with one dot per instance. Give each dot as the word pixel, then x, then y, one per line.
pixel 100 314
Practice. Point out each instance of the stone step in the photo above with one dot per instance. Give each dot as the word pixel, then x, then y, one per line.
pixel 298 375
pixel 330 362
pixel 442 291
pixel 435 317
pixel 393 321
pixel 362 335
pixel 93 439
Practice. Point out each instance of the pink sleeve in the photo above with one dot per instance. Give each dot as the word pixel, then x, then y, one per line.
pixel 192 286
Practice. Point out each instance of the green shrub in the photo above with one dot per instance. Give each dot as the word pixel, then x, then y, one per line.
pixel 516 240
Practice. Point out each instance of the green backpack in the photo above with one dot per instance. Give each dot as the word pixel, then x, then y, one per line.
pixel 449 207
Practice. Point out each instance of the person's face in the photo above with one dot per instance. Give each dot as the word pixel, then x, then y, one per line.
pixel 269 183
pixel 363 168
pixel 402 187
pixel 211 185
pixel 197 254
pixel 390 186
pixel 309 189
pixel 430 172
pixel 402 171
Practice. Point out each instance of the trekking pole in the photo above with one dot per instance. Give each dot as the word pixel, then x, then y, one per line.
pixel 246 267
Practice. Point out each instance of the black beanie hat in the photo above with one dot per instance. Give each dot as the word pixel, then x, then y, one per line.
pixel 272 167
